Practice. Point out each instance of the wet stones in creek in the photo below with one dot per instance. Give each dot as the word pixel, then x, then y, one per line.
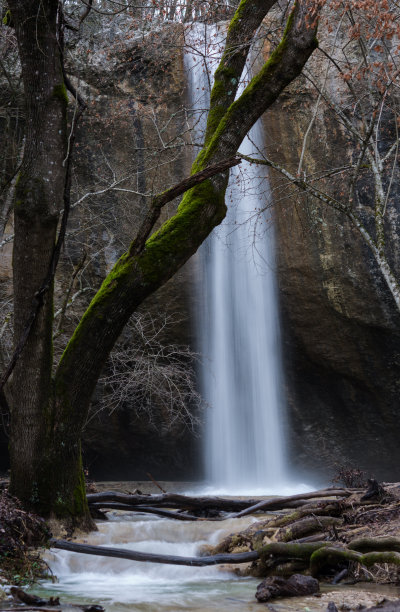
pixel 295 586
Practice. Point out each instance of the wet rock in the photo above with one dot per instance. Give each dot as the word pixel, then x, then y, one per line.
pixel 332 607
pixel 295 586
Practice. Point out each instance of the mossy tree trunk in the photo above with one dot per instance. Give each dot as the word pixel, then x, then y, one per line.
pixel 58 415
pixel 38 200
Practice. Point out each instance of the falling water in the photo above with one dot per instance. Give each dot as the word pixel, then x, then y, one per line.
pixel 239 320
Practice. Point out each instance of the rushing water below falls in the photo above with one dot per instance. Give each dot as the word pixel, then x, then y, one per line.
pixel 119 584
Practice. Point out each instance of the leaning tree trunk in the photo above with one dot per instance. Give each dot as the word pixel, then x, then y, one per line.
pixel 53 463
pixel 137 275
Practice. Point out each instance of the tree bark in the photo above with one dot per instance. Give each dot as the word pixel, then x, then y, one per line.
pixel 38 198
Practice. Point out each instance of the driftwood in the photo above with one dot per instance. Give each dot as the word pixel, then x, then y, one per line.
pixel 37 603
pixel 329 537
pixel 172 500
pixel 32 600
pixel 155 482
pixel 333 557
pixel 304 526
pixel 320 556
pixel 365 545
pixel 241 507
pixel 279 502
pixel 134 555
pixel 180 516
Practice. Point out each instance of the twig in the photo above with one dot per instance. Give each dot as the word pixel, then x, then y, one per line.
pixel 155 482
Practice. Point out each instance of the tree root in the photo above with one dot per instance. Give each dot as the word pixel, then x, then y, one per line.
pixel 365 545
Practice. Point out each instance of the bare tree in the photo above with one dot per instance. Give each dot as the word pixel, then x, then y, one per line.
pixel 148 375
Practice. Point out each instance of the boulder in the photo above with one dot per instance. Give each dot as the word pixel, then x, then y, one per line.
pixel 295 586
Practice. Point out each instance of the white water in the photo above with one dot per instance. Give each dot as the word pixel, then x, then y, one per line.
pixel 118 584
pixel 239 322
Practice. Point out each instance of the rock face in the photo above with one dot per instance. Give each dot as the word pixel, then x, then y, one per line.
pixel 136 88
pixel 340 325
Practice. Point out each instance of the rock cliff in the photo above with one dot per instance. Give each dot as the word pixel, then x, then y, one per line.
pixel 340 327
pixel 340 324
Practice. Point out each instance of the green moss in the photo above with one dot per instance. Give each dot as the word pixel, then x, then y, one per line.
pixel 331 557
pixel 246 98
pixel 224 89
pixel 170 238
pixel 80 502
pixel 235 22
pixel 290 550
pixel 30 198
pixel 111 283
pixel 365 545
pixel 8 20
pixel 60 92
pixel 387 556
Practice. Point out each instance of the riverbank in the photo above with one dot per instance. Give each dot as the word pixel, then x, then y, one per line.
pixel 340 536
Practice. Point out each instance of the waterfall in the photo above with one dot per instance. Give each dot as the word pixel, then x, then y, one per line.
pixel 238 323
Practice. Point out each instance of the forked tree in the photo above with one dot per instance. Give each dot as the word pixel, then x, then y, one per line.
pixel 50 401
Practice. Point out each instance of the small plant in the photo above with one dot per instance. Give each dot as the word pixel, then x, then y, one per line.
pixel 349 476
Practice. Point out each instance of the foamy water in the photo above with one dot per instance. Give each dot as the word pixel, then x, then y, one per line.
pixel 150 586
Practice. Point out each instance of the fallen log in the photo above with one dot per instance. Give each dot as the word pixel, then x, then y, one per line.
pixel 330 556
pixel 285 550
pixel 148 510
pixel 172 500
pixel 330 508
pixel 37 603
pixel 280 554
pixel 279 502
pixel 242 507
pixel 306 525
pixel 32 600
pixel 134 555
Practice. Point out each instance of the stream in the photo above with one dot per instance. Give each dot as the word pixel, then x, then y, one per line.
pixel 118 584
pixel 121 585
